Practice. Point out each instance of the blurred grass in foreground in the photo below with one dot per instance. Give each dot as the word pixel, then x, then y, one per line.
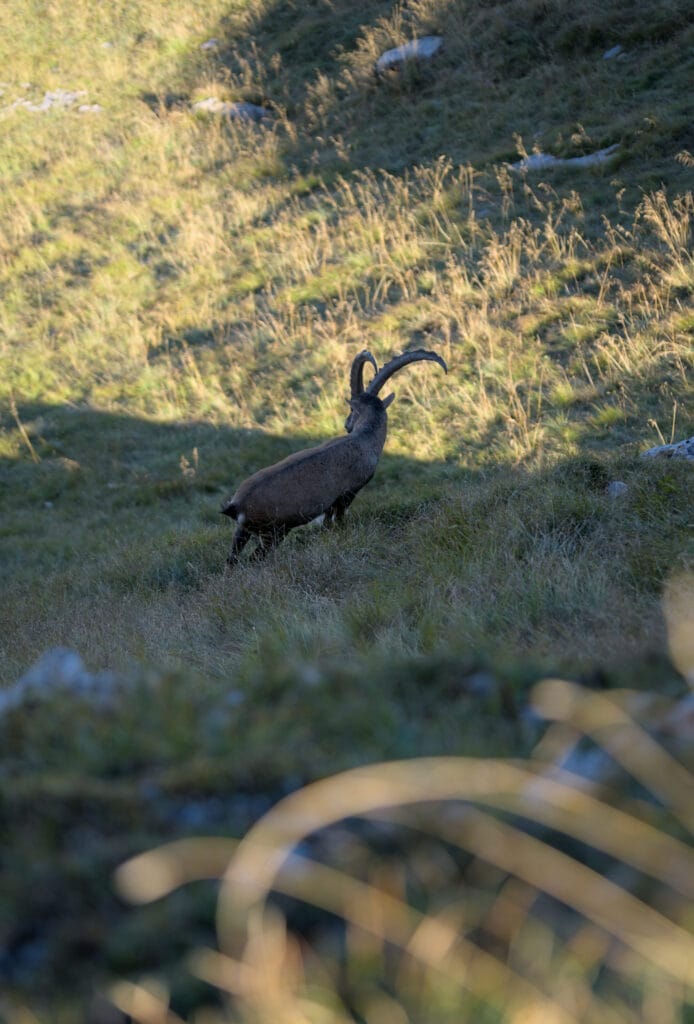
pixel 557 889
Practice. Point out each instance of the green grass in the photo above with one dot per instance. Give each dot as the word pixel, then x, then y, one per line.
pixel 181 301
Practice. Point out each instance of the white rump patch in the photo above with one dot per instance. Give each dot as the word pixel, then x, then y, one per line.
pixel 318 521
pixel 241 518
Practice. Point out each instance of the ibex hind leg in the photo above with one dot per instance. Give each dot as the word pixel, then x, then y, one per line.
pixel 241 538
pixel 267 542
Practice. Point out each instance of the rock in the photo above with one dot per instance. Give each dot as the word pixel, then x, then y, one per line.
pixel 416 50
pixel 60 669
pixel 615 51
pixel 678 450
pixel 61 99
pixel 310 676
pixel 238 111
pixel 480 684
pixel 539 161
pixel 616 489
pixel 211 44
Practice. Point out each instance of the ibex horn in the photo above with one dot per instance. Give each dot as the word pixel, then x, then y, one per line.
pixel 387 371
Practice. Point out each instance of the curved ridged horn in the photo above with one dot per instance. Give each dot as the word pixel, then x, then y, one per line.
pixel 356 377
pixel 387 371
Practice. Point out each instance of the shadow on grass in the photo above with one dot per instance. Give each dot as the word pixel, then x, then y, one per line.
pixel 84 475
pixel 104 488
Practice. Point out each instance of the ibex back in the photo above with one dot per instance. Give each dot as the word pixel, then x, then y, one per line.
pixel 322 480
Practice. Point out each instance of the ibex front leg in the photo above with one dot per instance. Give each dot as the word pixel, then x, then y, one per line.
pixel 336 512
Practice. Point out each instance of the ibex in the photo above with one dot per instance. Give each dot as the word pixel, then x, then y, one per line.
pixel 322 480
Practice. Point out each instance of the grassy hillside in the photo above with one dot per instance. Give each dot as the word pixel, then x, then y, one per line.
pixel 182 296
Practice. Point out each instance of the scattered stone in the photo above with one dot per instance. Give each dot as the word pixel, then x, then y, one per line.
pixel 59 669
pixel 678 450
pixel 416 50
pixel 238 111
pixel 60 99
pixel 310 676
pixel 540 161
pixel 616 489
pixel 615 51
pixel 480 684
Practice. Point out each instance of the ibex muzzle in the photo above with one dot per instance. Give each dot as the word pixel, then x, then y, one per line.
pixel 322 480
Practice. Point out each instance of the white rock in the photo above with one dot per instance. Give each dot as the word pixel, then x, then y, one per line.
pixel 678 450
pixel 63 99
pixel 539 161
pixel 236 111
pixel 615 51
pixel 616 489
pixel 310 676
pixel 536 162
pixel 59 669
pixel 211 44
pixel 89 108
pixel 417 49
pixel 480 684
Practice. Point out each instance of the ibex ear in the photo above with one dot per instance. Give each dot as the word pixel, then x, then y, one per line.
pixel 388 400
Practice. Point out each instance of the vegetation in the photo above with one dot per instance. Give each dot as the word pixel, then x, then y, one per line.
pixel 182 296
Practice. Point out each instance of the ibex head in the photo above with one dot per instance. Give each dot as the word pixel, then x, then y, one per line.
pixel 359 391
